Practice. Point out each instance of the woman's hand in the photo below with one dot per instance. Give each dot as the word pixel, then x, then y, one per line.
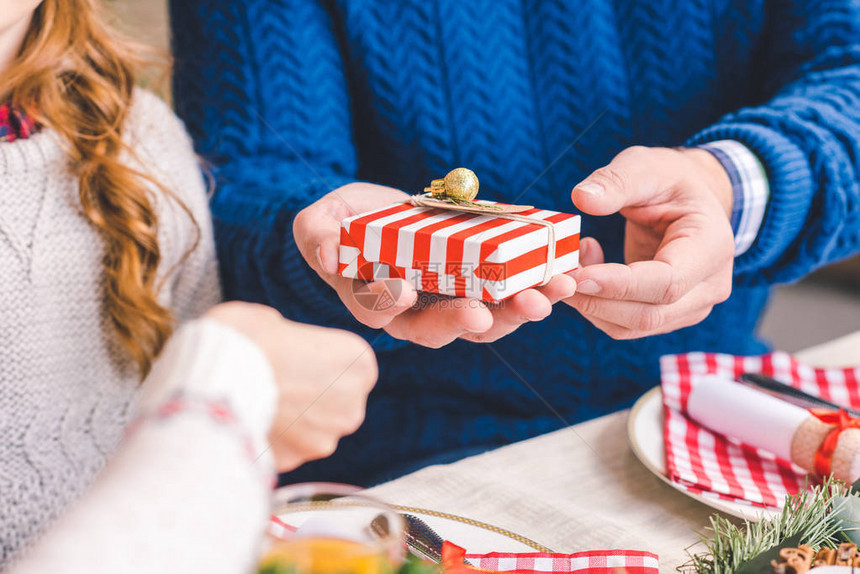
pixel 436 321
pixel 323 378
pixel 678 242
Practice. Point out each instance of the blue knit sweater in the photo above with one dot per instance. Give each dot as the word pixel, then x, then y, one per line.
pixel 292 98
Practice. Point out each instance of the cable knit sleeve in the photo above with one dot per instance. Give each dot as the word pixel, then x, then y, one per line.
pixel 189 488
pixel 261 86
pixel 807 134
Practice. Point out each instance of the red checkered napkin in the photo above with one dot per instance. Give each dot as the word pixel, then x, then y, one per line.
pixel 592 562
pixel 595 562
pixel 711 465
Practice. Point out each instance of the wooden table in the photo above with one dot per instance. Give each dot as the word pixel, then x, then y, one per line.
pixel 579 488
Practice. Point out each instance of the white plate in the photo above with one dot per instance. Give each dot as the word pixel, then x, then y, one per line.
pixel 645 433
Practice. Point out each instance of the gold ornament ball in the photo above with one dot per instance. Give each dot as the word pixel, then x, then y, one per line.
pixel 462 184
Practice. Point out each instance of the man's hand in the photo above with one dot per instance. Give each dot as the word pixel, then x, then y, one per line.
pixel 678 243
pixel 323 376
pixel 438 322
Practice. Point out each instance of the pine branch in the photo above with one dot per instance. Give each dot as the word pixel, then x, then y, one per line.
pixel 805 519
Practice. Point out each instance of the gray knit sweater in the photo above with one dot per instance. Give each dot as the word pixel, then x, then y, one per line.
pixel 66 390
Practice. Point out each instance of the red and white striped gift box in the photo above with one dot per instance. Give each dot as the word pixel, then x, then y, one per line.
pixel 709 464
pixel 457 253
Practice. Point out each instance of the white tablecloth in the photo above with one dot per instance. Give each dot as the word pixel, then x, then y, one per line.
pixel 579 488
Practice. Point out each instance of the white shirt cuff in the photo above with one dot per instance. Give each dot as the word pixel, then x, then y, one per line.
pixel 750 189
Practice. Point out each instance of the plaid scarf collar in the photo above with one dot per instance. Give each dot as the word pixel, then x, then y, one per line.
pixel 15 124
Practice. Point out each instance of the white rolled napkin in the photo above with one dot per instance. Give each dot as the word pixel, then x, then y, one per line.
pixel 761 420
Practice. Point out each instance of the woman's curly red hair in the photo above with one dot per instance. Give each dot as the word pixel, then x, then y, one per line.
pixel 76 77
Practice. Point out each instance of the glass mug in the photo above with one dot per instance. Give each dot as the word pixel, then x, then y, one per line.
pixel 327 528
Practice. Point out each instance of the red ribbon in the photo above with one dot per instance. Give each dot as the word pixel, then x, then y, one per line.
pixel 453 558
pixel 842 421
